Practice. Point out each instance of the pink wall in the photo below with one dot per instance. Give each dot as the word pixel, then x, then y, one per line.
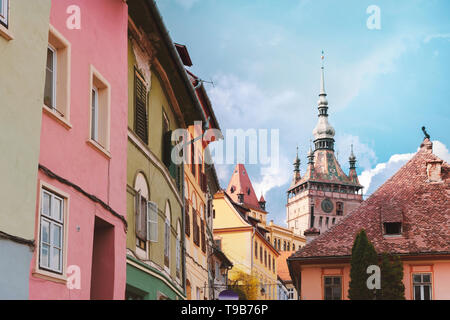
pixel 101 42
pixel 312 278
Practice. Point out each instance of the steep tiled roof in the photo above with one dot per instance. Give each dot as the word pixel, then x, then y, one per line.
pixel 240 183
pixel 423 208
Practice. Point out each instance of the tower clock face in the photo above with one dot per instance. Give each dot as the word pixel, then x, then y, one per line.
pixel 327 205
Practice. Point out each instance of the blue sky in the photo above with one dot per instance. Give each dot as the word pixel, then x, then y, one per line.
pixel 382 85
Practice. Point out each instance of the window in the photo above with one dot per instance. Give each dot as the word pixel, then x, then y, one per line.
pixel 57 77
pixel 187 222
pixel 260 254
pixel 273 264
pixel 256 249
pixel 392 228
pixel 265 258
pixel 167 236
pixel 178 249
pixel 152 221
pixel 100 110
pixel 333 288
pixel 203 235
pixel 291 294
pixel 50 78
pixel 94 114
pixel 4 12
pixel 339 208
pixel 140 108
pixel 422 286
pixel 196 228
pixel 141 220
pixel 51 233
pixel 141 208
pixel 218 243
pixel 217 270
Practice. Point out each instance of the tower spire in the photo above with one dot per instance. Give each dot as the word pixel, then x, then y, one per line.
pixel 324 131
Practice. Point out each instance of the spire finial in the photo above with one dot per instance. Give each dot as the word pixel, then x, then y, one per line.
pixel 352 159
pixel 322 80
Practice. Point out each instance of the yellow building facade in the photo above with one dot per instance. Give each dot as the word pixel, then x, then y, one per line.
pixel 243 240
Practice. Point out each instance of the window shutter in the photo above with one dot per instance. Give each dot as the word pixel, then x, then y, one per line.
pixel 152 221
pixel 140 109
pixel 167 152
pixel 203 236
pixel 187 222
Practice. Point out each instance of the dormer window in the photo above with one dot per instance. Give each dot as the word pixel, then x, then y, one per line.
pixel 232 189
pixel 392 228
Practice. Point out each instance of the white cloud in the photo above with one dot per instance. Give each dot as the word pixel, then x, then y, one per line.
pixel 371 179
pixel 364 154
pixel 273 176
pixel 223 173
pixel 441 151
pixel 235 101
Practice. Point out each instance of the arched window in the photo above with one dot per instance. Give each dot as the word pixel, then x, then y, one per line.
pixel 140 208
pixel 167 235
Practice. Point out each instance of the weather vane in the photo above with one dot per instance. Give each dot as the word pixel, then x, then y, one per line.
pixel 322 57
pixel 425 133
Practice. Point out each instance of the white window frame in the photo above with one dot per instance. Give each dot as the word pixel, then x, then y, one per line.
pixel 54 76
pixel 94 114
pixel 53 222
pixel 422 284
pixel 167 238
pixel 152 221
pixel 4 13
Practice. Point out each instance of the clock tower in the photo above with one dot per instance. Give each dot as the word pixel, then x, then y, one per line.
pixel 324 194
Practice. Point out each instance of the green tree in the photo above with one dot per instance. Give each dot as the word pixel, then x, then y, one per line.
pixel 392 287
pixel 363 255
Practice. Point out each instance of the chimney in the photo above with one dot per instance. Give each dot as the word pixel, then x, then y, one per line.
pixel 311 234
pixel 434 170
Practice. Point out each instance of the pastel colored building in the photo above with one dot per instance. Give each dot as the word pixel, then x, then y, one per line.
pixel 200 183
pixel 282 238
pixel 240 232
pixel 407 216
pixel 23 47
pixel 325 194
pixel 160 100
pixel 80 211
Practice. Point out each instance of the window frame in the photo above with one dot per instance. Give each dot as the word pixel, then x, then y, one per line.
pixel 44 272
pixel 94 113
pixel 103 141
pixel 54 76
pixel 421 285
pixel 61 80
pixel 4 14
pixel 332 286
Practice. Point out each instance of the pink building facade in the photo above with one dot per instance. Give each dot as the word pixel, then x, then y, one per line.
pixel 80 233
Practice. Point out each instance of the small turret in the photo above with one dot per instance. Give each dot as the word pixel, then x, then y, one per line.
pixel 296 169
pixel 262 202
pixel 352 173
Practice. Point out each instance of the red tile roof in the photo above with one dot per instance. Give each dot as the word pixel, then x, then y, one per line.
pixel 240 183
pixel 423 208
pixel 282 267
